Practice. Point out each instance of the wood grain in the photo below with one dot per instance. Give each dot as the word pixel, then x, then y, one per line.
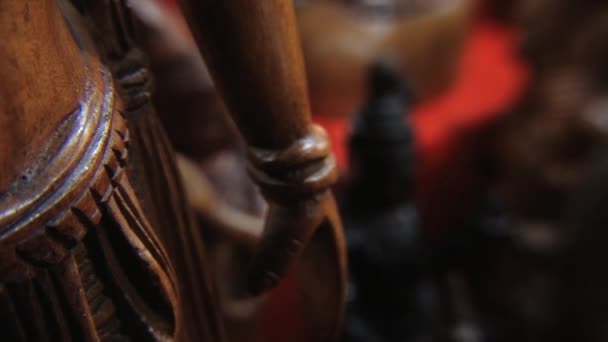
pixel 79 259
pixel 253 51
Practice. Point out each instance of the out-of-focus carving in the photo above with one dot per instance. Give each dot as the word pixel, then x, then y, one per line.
pixel 342 39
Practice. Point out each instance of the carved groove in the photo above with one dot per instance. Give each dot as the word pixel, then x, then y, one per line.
pixel 134 81
pixel 8 314
pixel 101 308
pixel 51 308
pixel 170 212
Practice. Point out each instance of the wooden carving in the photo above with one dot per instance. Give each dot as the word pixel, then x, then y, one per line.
pixel 253 51
pixel 153 167
pixel 79 260
pixel 341 39
pixel 97 240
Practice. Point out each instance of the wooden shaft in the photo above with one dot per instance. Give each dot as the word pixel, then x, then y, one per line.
pixel 253 52
pixel 254 56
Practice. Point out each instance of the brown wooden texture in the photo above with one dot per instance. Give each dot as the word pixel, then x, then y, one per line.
pixel 79 260
pixel 253 52
pixel 254 55
pixel 154 174
pixel 342 39
pixel 36 84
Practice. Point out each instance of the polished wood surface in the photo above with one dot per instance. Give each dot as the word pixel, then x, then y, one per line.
pixel 43 91
pixel 253 52
pixel 342 39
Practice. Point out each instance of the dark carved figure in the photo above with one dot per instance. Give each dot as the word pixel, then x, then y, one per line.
pixel 390 297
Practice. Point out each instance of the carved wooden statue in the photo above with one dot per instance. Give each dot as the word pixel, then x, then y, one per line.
pixel 97 239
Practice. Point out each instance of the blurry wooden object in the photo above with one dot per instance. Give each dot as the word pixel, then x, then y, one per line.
pixel 341 40
pixel 183 84
pixel 29 102
pixel 212 162
pixel 202 131
pixel 252 50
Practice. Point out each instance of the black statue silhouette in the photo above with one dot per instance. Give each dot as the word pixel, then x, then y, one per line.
pixel 390 296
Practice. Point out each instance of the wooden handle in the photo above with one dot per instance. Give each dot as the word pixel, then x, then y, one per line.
pixel 253 52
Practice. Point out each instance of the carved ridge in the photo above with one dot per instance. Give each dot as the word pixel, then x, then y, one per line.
pixel 305 168
pixel 49 230
pixel 28 210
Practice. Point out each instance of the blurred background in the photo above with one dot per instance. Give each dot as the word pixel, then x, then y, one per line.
pixel 470 139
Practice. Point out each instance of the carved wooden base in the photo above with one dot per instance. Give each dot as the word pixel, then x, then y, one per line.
pixel 79 259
